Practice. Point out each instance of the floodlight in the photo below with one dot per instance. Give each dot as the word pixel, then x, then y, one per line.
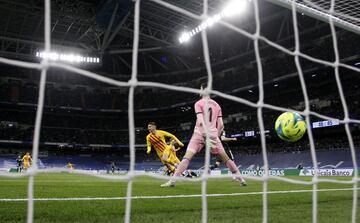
pixel 184 37
pixel 71 58
pixel 210 22
pixel 235 7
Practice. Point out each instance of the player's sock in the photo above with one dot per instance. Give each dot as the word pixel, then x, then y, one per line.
pixel 213 166
pixel 233 168
pixel 172 169
pixel 182 167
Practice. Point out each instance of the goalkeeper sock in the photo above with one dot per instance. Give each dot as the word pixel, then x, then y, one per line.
pixel 182 167
pixel 233 168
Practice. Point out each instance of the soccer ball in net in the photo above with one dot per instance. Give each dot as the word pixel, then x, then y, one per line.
pixel 290 126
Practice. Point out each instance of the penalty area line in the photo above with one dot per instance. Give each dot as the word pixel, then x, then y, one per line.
pixel 172 196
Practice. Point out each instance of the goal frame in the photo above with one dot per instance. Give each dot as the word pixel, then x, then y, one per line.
pixel 322 15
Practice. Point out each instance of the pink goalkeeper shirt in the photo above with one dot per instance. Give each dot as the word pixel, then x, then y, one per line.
pixel 211 121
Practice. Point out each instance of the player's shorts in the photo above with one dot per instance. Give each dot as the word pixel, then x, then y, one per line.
pixel 26 165
pixel 174 159
pixel 167 151
pixel 197 142
pixel 160 155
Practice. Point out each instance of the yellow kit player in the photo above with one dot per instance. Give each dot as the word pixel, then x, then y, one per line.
pixel 27 159
pixel 156 138
pixel 70 166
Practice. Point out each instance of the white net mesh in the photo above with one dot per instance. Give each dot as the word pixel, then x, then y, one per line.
pixel 346 10
pixel 345 13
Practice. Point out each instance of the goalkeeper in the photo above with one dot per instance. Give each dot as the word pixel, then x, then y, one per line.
pixel 208 121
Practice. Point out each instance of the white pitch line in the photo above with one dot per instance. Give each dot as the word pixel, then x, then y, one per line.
pixel 171 196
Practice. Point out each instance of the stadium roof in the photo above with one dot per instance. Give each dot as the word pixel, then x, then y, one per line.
pixel 85 25
pixel 105 29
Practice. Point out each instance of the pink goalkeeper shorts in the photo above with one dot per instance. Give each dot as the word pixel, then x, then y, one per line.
pixel 197 143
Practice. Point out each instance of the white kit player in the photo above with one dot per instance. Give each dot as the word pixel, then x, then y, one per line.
pixel 213 123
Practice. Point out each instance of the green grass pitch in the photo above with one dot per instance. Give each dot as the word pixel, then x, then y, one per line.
pixel 333 206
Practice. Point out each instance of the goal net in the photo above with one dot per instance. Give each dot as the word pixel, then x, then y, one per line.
pixel 344 14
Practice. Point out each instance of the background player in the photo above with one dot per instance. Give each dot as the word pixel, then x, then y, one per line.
pixel 27 161
pixel 113 167
pixel 156 138
pixel 213 123
pixel 18 164
pixel 70 166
